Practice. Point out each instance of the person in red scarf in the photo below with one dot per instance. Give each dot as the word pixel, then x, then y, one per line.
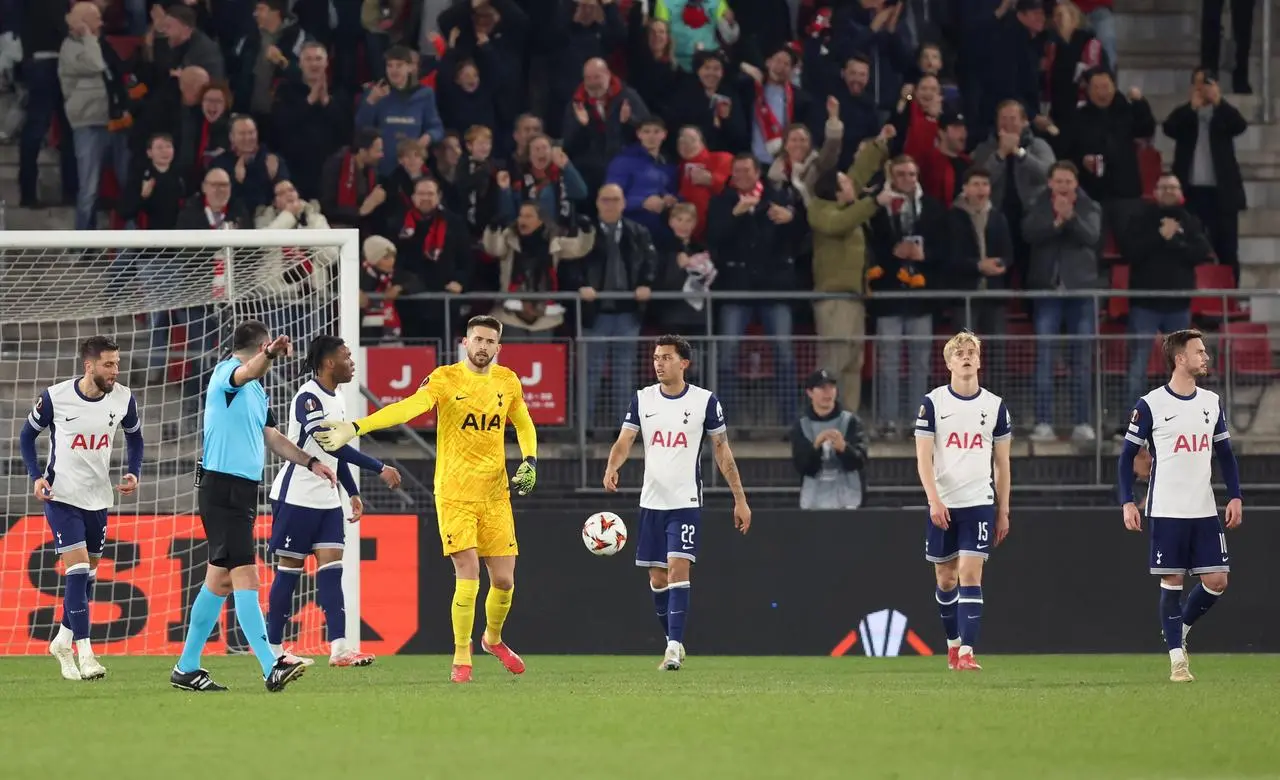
pixel 378 317
pixel 702 175
pixel 752 233
pixel 214 209
pixel 212 135
pixel 549 179
pixel 775 102
pixel 908 237
pixel 349 191
pixel 917 113
pixel 433 249
pixel 600 120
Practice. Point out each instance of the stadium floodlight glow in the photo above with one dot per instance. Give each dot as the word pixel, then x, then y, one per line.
pixel 170 299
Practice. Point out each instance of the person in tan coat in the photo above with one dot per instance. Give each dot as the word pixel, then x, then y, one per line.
pixel 529 254
pixel 837 213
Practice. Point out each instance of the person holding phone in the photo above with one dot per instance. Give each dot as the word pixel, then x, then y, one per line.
pixel 908 240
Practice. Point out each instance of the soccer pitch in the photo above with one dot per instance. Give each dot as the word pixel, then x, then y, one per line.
pixel 618 717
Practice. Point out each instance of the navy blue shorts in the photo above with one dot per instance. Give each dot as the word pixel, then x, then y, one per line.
pixel 74 527
pixel 667 533
pixel 1182 545
pixel 972 531
pixel 297 531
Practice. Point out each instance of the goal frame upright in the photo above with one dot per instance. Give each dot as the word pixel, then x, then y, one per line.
pixel 347 273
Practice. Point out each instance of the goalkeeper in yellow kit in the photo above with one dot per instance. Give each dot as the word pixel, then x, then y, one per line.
pixel 474 399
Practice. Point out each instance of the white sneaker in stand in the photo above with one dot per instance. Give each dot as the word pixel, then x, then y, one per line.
pixel 1083 432
pixel 1043 432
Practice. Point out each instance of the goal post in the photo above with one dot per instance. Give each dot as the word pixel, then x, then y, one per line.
pixel 171 300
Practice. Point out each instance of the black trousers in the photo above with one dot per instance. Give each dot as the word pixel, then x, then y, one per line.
pixel 1222 225
pixel 1241 33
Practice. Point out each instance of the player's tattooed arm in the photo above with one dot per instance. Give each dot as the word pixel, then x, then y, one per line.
pixel 729 468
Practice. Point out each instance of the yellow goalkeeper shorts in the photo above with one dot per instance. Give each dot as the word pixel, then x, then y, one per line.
pixel 487 526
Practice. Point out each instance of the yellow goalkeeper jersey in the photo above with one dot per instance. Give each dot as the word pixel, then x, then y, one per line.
pixel 472 411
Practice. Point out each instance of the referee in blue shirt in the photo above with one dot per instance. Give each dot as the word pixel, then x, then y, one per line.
pixel 238 429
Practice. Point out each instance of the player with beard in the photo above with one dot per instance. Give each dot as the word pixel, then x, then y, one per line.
pixel 1183 427
pixel 473 398
pixel 82 416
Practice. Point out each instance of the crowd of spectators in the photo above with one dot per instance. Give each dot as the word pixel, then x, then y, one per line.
pixel 633 146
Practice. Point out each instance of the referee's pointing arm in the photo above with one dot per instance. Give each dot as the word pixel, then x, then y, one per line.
pixel 256 366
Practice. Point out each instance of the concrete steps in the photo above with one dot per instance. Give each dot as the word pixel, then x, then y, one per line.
pixel 1170 73
pixel 1260 222
pixel 1178 32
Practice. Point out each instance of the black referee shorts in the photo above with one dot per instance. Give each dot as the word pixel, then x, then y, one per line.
pixel 228 509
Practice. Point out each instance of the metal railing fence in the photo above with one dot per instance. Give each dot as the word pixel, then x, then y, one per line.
pixel 1081 377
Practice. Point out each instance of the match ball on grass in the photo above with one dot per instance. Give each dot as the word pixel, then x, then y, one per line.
pixel 604 533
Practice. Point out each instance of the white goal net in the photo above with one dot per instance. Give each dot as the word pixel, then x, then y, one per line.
pixel 171 300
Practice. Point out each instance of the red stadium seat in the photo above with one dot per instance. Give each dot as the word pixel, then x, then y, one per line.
pixel 1155 361
pixel 1150 165
pixel 1211 276
pixel 1020 349
pixel 1114 348
pixel 1110 249
pixel 125 45
pixel 755 355
pixel 1116 351
pixel 1118 305
pixel 1246 348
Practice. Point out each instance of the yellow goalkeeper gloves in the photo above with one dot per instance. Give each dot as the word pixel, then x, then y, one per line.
pixel 336 433
pixel 526 477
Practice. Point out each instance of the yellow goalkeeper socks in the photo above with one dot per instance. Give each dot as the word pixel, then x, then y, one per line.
pixel 464 619
pixel 496 606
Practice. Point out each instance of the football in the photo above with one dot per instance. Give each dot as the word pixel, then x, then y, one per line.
pixel 604 533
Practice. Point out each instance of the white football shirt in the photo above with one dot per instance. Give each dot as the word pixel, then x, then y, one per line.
pixel 963 429
pixel 673 429
pixel 294 484
pixel 1179 432
pixel 82 434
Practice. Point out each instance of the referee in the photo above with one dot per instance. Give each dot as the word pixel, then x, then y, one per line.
pixel 238 428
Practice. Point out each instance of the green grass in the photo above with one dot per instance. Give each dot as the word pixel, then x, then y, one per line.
pixel 618 717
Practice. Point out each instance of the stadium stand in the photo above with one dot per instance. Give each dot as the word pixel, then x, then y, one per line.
pixel 463 93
